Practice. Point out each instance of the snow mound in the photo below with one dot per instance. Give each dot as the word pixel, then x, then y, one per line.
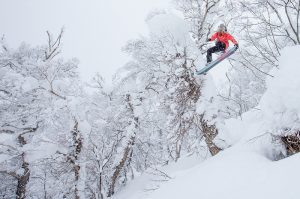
pixel 280 104
pixel 232 174
pixel 235 175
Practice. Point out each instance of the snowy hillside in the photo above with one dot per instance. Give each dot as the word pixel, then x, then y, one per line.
pixel 247 169
pixel 232 174
pixel 160 131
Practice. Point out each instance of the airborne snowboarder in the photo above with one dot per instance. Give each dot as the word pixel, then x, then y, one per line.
pixel 222 42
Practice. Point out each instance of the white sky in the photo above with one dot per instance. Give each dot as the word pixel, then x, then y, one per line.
pixel 95 30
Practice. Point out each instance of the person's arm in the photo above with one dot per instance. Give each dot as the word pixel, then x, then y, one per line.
pixel 231 38
pixel 214 37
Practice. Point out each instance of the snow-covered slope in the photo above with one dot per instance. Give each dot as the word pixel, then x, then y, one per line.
pixel 232 174
pixel 246 169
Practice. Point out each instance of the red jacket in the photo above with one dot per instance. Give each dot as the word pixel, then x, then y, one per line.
pixel 224 37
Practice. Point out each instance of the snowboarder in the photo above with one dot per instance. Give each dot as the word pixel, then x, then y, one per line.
pixel 222 43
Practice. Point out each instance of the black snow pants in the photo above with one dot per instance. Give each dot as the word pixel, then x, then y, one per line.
pixel 220 46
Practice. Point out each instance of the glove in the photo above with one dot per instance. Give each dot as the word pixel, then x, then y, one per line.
pixel 236 45
pixel 208 39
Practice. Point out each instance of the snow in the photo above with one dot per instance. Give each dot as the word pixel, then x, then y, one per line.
pixel 29 84
pixel 7 140
pixel 44 150
pixel 172 25
pixel 280 104
pixel 218 73
pixel 82 179
pixel 279 109
pixel 143 185
pixel 4 157
pixel 20 171
pixel 209 95
pixel 247 168
pixel 232 174
pixel 37 126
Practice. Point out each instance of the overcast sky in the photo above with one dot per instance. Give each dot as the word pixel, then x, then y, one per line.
pixel 95 30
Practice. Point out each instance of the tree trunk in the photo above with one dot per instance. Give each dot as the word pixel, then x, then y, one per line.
pixel 100 186
pixel 209 133
pixel 120 166
pixel 77 144
pixel 178 150
pixel 128 150
pixel 23 180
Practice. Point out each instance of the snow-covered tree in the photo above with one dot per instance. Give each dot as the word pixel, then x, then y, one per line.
pixel 38 122
pixel 203 16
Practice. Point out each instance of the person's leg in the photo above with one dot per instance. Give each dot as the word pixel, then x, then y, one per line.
pixel 218 48
pixel 209 53
pixel 221 46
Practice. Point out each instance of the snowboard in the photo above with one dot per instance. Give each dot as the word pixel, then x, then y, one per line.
pixel 204 70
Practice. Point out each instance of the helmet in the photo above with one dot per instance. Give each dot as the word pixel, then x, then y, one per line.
pixel 222 28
